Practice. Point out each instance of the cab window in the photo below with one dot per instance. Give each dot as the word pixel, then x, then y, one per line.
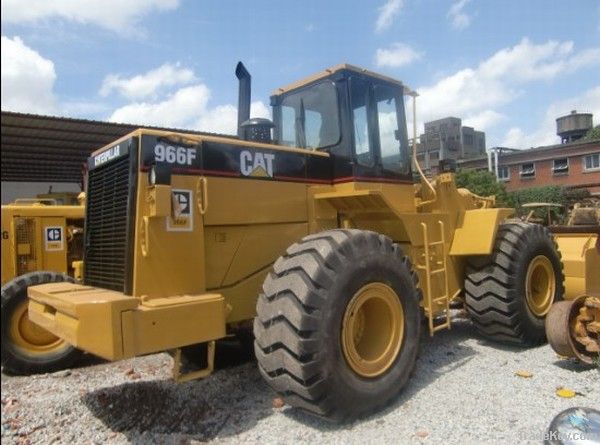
pixel 394 157
pixel 359 101
pixel 288 132
pixel 310 117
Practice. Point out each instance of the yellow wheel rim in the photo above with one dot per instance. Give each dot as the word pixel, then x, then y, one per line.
pixel 372 330
pixel 540 285
pixel 29 337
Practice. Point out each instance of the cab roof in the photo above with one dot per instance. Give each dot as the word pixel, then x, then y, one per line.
pixel 341 67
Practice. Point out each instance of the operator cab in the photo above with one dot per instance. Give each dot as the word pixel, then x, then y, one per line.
pixel 355 115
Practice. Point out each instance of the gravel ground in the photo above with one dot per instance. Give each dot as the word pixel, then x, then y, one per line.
pixel 464 390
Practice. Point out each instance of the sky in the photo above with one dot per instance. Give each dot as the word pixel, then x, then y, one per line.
pixel 507 67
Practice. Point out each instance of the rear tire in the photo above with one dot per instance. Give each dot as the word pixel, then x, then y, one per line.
pixel 314 323
pixel 509 293
pixel 27 348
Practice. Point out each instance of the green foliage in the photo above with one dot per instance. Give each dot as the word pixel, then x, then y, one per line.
pixel 483 183
pixel 593 133
pixel 571 196
pixel 548 193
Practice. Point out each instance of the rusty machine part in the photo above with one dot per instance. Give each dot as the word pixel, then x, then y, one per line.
pixel 573 328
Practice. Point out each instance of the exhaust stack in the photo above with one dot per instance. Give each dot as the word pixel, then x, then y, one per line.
pixel 244 96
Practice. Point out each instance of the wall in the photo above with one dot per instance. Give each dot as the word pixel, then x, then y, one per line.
pixel 452 139
pixel 543 158
pixel 576 177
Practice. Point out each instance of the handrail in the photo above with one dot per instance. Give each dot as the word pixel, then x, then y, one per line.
pixel 424 179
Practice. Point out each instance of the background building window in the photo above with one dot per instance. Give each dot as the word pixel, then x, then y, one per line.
pixel 528 170
pixel 560 166
pixel 591 162
pixel 503 173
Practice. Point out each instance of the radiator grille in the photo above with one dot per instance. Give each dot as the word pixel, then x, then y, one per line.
pixel 26 248
pixel 107 225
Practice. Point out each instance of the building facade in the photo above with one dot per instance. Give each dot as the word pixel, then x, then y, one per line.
pixel 447 138
pixel 575 164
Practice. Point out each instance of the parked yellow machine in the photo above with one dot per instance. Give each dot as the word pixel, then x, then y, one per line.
pixel 319 240
pixel 573 325
pixel 42 242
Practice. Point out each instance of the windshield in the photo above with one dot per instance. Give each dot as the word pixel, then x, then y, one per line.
pixel 309 118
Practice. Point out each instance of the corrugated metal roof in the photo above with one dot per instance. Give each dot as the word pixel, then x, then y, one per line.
pixel 54 149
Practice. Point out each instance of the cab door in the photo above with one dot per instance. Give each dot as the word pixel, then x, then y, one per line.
pixel 379 131
pixel 391 138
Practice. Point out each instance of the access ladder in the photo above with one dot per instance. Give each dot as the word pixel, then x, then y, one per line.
pixel 431 253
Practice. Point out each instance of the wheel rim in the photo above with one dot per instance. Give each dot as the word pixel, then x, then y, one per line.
pixel 372 330
pixel 29 337
pixel 540 285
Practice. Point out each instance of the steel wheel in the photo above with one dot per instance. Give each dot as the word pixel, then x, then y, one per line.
pixel 26 347
pixel 540 285
pixel 509 292
pixel 29 337
pixel 338 324
pixel 372 330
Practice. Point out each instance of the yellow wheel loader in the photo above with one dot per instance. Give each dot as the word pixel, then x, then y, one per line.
pixel 311 231
pixel 41 241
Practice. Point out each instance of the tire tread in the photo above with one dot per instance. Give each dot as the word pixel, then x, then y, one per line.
pixel 288 316
pixel 490 293
pixel 12 360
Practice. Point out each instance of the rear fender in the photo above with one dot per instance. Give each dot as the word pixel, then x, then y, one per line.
pixel 476 231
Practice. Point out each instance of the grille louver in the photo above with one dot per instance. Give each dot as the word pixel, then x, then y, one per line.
pixel 26 262
pixel 107 253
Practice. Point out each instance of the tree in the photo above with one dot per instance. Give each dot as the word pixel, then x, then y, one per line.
pixel 550 193
pixel 593 133
pixel 483 183
pixel 547 193
pixel 564 196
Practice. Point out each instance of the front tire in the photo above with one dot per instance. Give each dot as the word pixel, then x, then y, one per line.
pixel 509 293
pixel 26 347
pixel 337 327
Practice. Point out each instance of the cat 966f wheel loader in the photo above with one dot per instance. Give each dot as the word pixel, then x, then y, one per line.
pixel 317 237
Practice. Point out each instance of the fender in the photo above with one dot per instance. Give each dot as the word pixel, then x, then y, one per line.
pixel 476 231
